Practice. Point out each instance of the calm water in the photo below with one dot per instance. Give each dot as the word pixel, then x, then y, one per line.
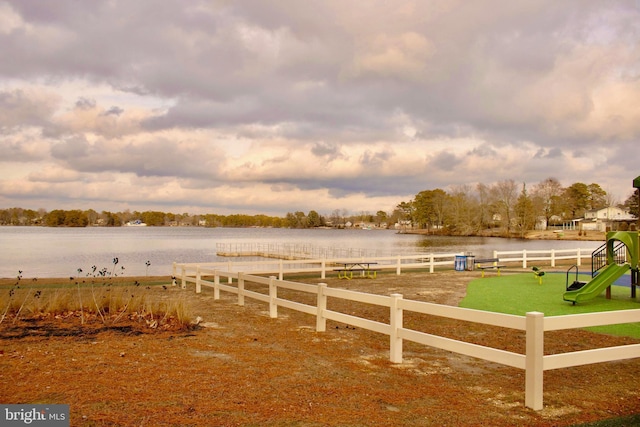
pixel 60 252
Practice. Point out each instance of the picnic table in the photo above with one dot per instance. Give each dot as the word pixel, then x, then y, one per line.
pixel 349 267
pixel 487 264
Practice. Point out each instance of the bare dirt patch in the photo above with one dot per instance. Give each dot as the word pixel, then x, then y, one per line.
pixel 240 367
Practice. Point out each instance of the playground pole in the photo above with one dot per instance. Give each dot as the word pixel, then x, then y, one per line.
pixel 636 185
pixel 634 271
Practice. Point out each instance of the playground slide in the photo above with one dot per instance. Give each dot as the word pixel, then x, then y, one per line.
pixel 592 289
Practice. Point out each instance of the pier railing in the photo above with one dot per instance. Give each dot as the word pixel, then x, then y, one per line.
pixel 533 361
pixel 294 251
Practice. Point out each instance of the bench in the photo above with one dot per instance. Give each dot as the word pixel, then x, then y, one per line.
pixel 538 274
pixel 486 264
pixel 347 273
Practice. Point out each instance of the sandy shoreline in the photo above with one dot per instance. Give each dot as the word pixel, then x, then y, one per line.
pixel 597 236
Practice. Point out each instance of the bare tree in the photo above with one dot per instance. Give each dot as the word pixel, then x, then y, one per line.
pixel 461 207
pixel 335 218
pixel 505 194
pixel 484 200
pixel 547 194
pixel 610 198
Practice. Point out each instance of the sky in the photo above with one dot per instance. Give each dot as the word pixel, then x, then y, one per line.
pixel 269 107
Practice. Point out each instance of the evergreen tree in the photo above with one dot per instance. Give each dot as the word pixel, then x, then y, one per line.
pixel 524 212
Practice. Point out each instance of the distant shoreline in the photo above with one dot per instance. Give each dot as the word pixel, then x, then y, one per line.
pixel 589 236
pixel 597 236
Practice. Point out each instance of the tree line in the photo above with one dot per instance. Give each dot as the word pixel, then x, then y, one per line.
pixel 510 207
pixel 507 206
pixel 80 218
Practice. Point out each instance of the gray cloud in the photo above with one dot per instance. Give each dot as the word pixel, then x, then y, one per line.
pixel 71 148
pixel 445 161
pixel 327 150
pixel 203 91
pixel 114 111
pixel 85 104
pixel 20 108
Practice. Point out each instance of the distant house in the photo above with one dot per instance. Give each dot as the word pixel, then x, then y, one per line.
pixel 554 220
pixel 365 225
pixel 403 224
pixel 604 219
pixel 611 213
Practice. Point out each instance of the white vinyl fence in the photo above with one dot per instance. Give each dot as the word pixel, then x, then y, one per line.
pixel 543 255
pixel 323 266
pixel 280 263
pixel 534 324
pixel 311 252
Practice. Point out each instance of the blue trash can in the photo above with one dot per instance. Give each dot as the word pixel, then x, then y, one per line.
pixel 460 263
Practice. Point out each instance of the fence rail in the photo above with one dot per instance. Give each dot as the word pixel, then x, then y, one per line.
pixel 534 324
pixel 527 256
pixel 296 251
pixel 281 262
pixel 323 266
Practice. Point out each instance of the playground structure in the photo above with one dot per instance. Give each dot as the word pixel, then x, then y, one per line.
pixel 538 273
pixel 616 257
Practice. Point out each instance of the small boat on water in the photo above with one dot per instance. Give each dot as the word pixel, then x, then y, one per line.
pixel 136 223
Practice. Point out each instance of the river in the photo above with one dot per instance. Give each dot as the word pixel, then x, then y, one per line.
pixel 59 252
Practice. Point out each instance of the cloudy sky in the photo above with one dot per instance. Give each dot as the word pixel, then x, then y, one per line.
pixel 279 106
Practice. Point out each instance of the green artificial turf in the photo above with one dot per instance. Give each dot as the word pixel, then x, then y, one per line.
pixel 522 293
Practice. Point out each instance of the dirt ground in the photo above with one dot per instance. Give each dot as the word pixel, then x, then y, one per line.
pixel 239 367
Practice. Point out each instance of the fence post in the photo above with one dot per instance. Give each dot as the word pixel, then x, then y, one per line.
pixel 273 294
pixel 323 266
pixel 398 268
pixel 240 289
pixel 198 280
pixel 216 285
pixel 174 270
pixel 183 282
pixel 321 305
pixel 432 260
pixel 579 260
pixel 395 321
pixel 534 360
pixel 553 257
pixel 524 258
pixel 281 266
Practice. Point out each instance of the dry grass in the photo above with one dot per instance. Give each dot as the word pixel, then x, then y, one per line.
pixel 108 301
